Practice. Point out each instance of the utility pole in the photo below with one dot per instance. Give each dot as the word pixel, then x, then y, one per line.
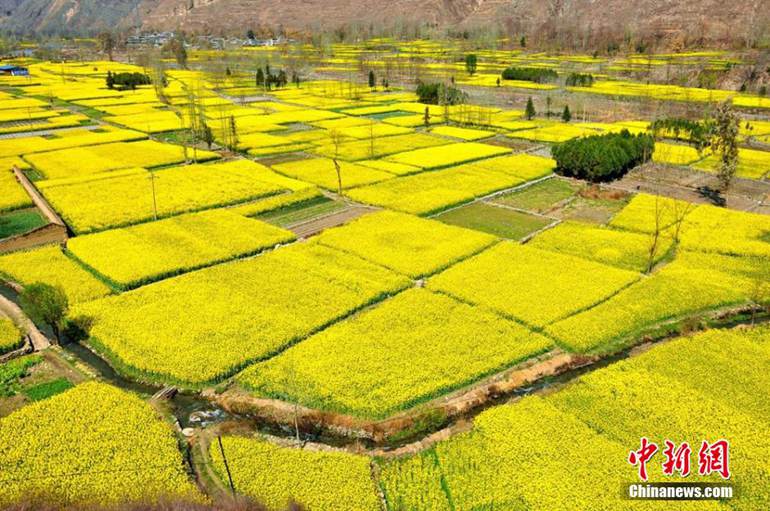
pixel 227 467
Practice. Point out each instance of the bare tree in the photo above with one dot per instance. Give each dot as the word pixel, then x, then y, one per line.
pixel 336 138
pixel 106 42
pixel 679 211
pixel 655 235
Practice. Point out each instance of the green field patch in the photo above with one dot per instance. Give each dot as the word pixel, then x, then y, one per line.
pixel 47 389
pixel 18 222
pixel 496 220
pixel 540 197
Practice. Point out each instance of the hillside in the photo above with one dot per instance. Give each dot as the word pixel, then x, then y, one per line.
pixel 707 20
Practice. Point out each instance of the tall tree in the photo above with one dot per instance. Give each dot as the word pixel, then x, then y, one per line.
pixel 106 42
pixel 725 142
pixel 372 79
pixel 336 137
pixel 529 111
pixel 46 304
pixel 566 115
pixel 177 49
pixel 471 62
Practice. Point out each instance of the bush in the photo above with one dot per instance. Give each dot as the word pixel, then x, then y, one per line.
pixel 602 157
pixel 580 80
pixel 124 81
pixel 530 74
pixel 439 94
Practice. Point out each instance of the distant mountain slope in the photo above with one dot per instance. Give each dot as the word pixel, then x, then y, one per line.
pixel 711 19
pixel 68 16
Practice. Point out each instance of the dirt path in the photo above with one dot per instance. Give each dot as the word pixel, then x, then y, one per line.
pixel 311 227
pixel 13 311
pixel 682 183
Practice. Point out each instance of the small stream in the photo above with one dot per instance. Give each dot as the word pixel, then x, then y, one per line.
pixel 193 411
pixel 190 409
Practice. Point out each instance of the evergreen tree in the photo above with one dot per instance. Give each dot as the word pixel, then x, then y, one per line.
pixel 372 80
pixel 529 111
pixel 471 62
pixel 566 116
pixel 260 78
pixel 110 80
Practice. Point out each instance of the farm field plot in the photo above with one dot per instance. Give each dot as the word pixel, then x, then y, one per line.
pixel 520 453
pixel 623 249
pixel 20 221
pixel 408 349
pixel 300 212
pixel 12 195
pixel 406 244
pixel 280 202
pixel 10 336
pixel 400 169
pixel 675 154
pixel 556 133
pixel 684 287
pixel 332 481
pixel 540 197
pixel 498 221
pixel 363 150
pixel 130 199
pixel 244 310
pixel 70 447
pixel 432 192
pixel 64 139
pixel 517 281
pixel 49 264
pixel 462 133
pixel 81 161
pixel 752 164
pixel 645 211
pixel 149 122
pixel 143 253
pixel 321 171
pixel 444 156
pixel 713 229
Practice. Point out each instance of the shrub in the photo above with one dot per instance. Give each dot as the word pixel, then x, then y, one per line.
pixel 127 80
pixel 530 74
pixel 580 80
pixel 602 157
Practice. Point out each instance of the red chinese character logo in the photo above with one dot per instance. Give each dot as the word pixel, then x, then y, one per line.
pixel 642 456
pixel 714 458
pixel 677 460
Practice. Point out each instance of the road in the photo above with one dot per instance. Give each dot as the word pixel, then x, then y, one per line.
pixel 14 312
